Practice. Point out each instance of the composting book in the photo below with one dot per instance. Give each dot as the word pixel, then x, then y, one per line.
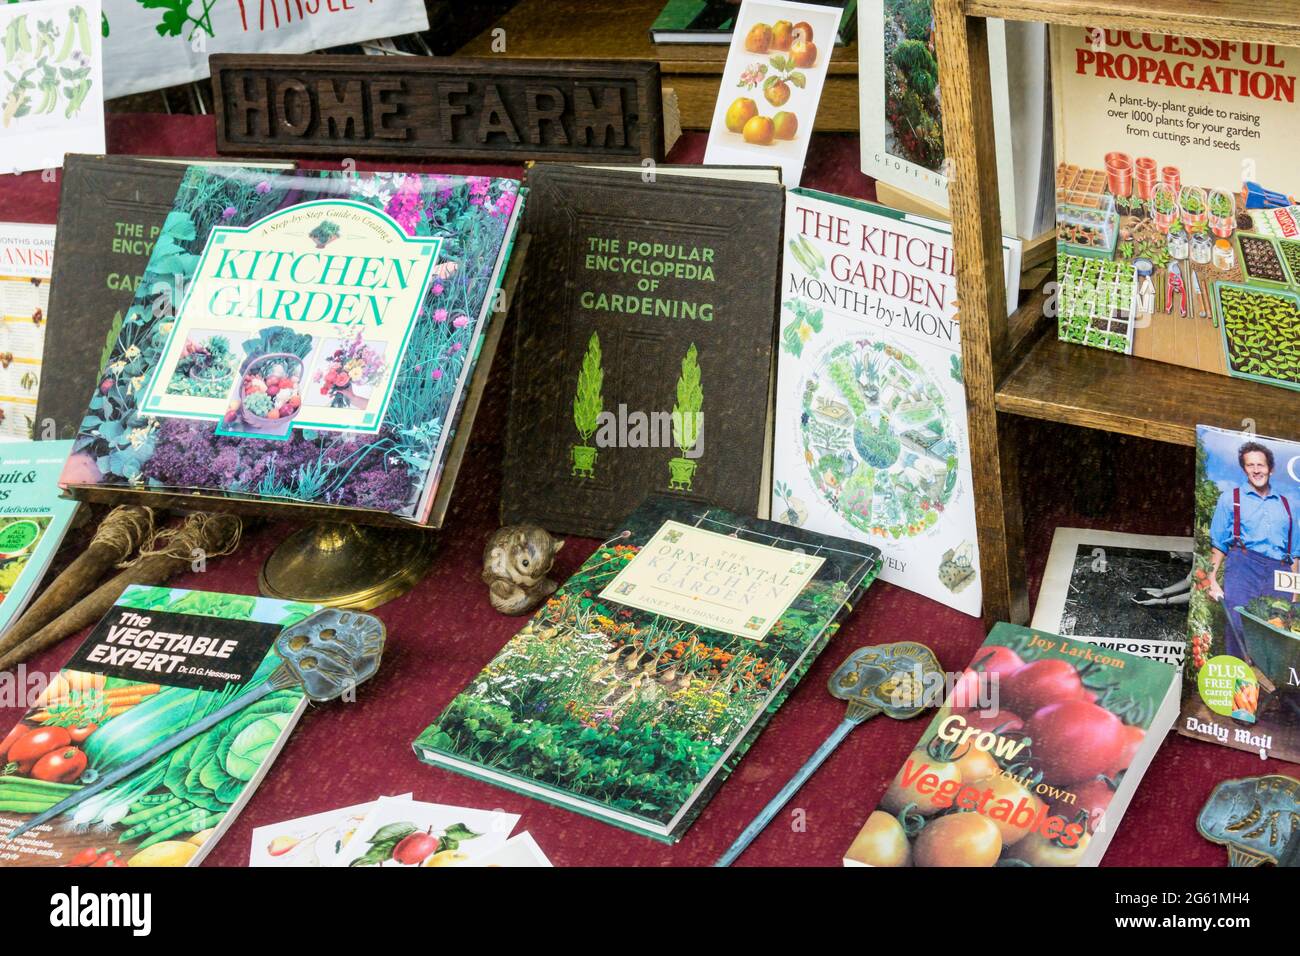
pixel 634 690
pixel 301 337
pixel 1178 236
pixel 902 110
pixel 643 354
pixel 111 212
pixel 1241 673
pixel 871 439
pixel 1032 759
pixel 33 520
pixel 159 661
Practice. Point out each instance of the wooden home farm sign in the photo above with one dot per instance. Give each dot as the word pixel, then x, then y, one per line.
pixel 434 108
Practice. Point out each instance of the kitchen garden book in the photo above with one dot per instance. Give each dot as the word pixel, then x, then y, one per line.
pixel 1241 677
pixel 111 213
pixel 643 352
pixel 301 337
pixel 159 661
pixel 632 693
pixel 33 520
pixel 902 110
pixel 1178 237
pixel 1032 759
pixel 871 407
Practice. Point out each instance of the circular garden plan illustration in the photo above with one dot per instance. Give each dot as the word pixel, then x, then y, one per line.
pixel 878 439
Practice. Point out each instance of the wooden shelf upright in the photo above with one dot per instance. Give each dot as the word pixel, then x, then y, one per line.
pixel 1016 365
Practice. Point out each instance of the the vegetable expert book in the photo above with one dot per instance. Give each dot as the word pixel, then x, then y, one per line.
pixel 643 352
pixel 1032 760
pixel 1241 673
pixel 632 693
pixel 870 404
pixel 33 520
pixel 301 337
pixel 160 660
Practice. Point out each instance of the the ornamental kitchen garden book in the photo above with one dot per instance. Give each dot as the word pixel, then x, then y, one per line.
pixel 644 348
pixel 632 693
pixel 159 661
pixel 33 520
pixel 871 408
pixel 1177 234
pixel 301 337
pixel 1241 676
pixel 1032 760
pixel 111 213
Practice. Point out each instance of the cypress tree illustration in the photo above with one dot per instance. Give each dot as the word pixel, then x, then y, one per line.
pixel 587 406
pixel 687 420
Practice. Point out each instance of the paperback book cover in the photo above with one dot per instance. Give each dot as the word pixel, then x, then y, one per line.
pixel 1127 592
pixel 1177 234
pixel 644 349
pixel 631 694
pixel 26 262
pixel 33 520
pixel 302 337
pixel 111 213
pixel 160 660
pixel 712 21
pixel 902 110
pixel 1241 680
pixel 871 407
pixel 1032 760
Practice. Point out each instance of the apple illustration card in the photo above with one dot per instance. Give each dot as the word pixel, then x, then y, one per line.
pixel 773 79
pixel 407 833
pixel 310 841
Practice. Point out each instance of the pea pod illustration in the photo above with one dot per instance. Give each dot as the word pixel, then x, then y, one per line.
pixel 46 34
pixel 75 92
pixel 77 35
pixel 17 39
pixel 49 87
pixel 18 102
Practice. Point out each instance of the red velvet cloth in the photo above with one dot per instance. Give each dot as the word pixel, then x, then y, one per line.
pixel 444 631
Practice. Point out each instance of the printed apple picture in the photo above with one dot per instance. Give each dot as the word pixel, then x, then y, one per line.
pixel 405 844
pixel 791 50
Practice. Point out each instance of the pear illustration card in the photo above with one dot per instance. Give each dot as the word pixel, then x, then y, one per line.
pixel 773 79
pixel 312 841
pixel 51 83
pixel 401 833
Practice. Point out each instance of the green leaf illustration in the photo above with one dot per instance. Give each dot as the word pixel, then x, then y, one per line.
pixel 687 415
pixel 588 403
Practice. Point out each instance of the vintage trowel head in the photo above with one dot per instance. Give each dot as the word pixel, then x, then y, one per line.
pixel 887 678
pixel 1255 818
pixel 332 651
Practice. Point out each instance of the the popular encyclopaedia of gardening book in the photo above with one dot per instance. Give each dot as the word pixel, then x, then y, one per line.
pixel 158 662
pixel 1241 675
pixel 1031 761
pixel 632 693
pixel 303 337
pixel 870 437
pixel 1178 237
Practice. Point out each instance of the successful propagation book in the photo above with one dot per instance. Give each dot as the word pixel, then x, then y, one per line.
pixel 303 337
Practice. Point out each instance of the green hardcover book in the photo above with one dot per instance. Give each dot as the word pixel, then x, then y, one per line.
pixel 633 692
pixel 711 21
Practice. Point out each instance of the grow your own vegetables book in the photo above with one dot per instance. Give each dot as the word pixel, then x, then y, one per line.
pixel 870 405
pixel 1032 760
pixel 632 693
pixel 301 337
pixel 159 661
pixel 1241 675
pixel 33 520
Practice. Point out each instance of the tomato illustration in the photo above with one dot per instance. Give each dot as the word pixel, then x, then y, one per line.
pixel 899 795
pixel 1133 737
pixel 958 839
pixel 60 766
pixel 81 733
pixel 1036 685
pixel 19 730
pixel 993 661
pixel 997 721
pixel 35 744
pixel 1074 741
pixel 881 842
pixel 1009 789
pixel 1038 850
pixel 1090 799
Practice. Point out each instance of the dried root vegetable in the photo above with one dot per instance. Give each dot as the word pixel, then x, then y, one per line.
pixel 169 552
pixel 122 532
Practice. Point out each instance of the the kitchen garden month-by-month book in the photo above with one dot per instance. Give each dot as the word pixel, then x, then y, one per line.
pixel 634 690
pixel 303 337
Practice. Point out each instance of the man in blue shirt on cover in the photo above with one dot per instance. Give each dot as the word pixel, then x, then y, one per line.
pixel 1251 536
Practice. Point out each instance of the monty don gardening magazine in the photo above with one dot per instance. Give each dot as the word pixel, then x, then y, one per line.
pixel 870 404
pixel 632 693
pixel 158 662
pixel 303 337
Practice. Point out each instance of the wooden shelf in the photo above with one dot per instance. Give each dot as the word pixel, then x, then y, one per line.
pixel 1092 388
pixel 1265 21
